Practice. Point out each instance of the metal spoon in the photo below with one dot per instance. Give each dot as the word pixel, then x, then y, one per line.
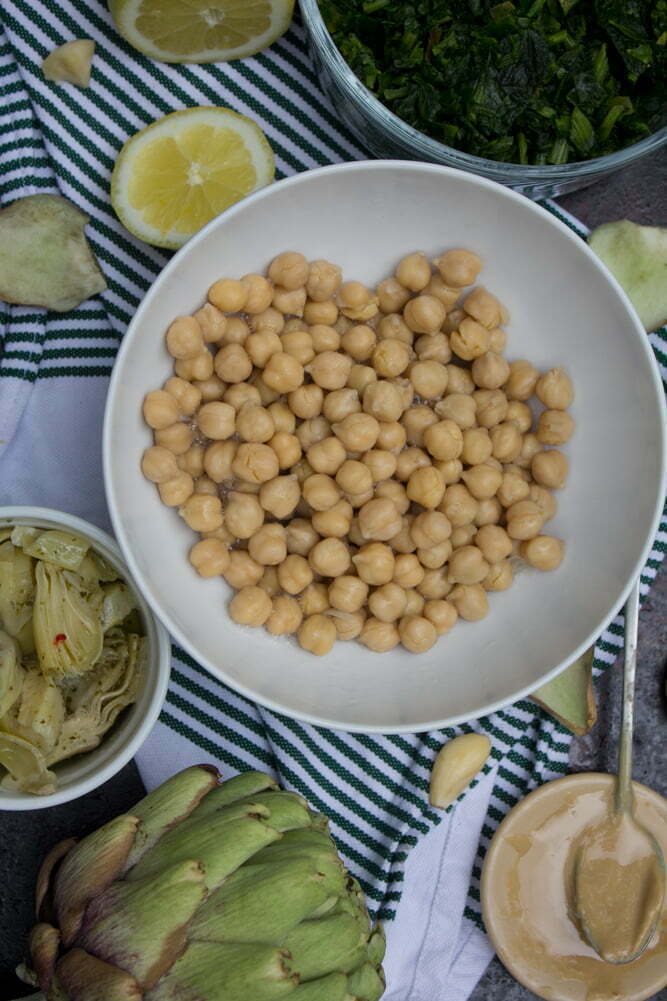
pixel 619 850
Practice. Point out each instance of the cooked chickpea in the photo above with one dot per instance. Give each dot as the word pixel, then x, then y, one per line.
pixel 236 331
pixel 320 491
pixel 335 522
pixel 467 566
pixel 402 541
pixel 254 423
pixel 429 378
pixel 441 614
pixel 463 535
pixel 408 571
pixel 314 599
pixel 160 409
pixel 457 407
pixel 459 505
pixel 209 557
pixel 283 373
pixel 530 446
pixel 269 582
pixel 413 271
pixel 340 403
pixel 442 292
pixel 329 557
pixel 482 481
pixel 394 328
pixel 426 487
pixel 294 574
pixel 430 528
pixel 361 376
pixel 192 462
pixel 417 633
pixel 382 400
pixel 391 436
pixel 251 606
pixel 470 601
pixel 387 603
pixel 268 545
pixel 324 338
pixel 177 438
pixel 544 552
pixel 255 462
pixel 302 470
pixel 396 493
pixel 424 314
pixel 374 563
pixel 176 490
pixel 554 389
pixel 506 440
pixel 330 369
pixel 258 293
pixel 477 446
pixel 216 420
pixel 306 401
pixel 524 520
pixel 554 427
pixel 458 267
pixel 380 637
pixel 544 499
pixel 187 396
pixel 317 634
pixel 357 432
pixel 549 469
pixel 391 357
pixel 434 584
pixel 232 363
pixel 348 624
pixel 450 469
pixel 286 448
pixel 405 389
pixel 202 512
pixel 444 440
pixel 228 295
pixel 392 296
pixel 323 280
pixel 470 340
pixel 301 536
pixel 325 313
pixel 414 601
pixel 435 556
pixel 242 571
pixel 240 393
pixel 491 407
pixel 211 389
pixel 282 417
pixel 243 515
pixel 521 381
pixel 520 415
pixel 285 617
pixel 347 593
pixel 197 369
pixel 499 577
pixel 159 464
pixel 382 464
pixel 212 323
pixel 289 269
pixel 512 489
pixel 490 370
pixel 434 347
pixel 483 307
pixel 379 520
pixel 218 459
pixel 459 380
pixel 298 344
pixel 358 342
pixel 354 477
pixel 326 455
pixel 280 496
pixel 408 461
pixel 494 543
pixel 497 340
pixel 289 302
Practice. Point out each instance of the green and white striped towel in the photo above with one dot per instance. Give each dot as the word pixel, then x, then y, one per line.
pixel 53 379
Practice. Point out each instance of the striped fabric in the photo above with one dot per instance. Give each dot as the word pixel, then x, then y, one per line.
pixel 58 138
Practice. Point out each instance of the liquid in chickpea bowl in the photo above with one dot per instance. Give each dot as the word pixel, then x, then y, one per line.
pixel 323 457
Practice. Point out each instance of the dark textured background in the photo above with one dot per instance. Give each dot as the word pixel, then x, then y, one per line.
pixel 638 193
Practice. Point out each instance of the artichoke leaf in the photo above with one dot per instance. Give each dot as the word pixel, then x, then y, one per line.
pixel 105 572
pixel 17 588
pixel 235 971
pixel 331 988
pixel 11 672
pixel 117 604
pixel 41 710
pixel 24 535
pixel 26 766
pixel 64 549
pixel 68 631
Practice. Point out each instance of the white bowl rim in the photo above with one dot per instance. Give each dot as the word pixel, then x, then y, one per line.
pixel 362 166
pixel 9 801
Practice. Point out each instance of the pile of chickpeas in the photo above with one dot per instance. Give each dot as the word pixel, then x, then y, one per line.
pixel 359 463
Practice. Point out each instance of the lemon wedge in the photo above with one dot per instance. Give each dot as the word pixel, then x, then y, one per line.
pixel 201 31
pixel 185 169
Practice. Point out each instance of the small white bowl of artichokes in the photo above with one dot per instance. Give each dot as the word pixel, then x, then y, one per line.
pixel 84 664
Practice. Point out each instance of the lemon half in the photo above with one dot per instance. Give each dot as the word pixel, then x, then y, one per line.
pixel 185 169
pixel 201 31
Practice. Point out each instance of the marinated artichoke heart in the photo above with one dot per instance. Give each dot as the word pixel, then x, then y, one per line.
pixel 231 892
pixel 72 652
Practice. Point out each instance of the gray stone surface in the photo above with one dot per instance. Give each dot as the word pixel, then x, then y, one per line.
pixel 638 193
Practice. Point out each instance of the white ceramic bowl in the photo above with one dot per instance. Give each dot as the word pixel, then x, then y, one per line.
pixel 566 310
pixel 84 772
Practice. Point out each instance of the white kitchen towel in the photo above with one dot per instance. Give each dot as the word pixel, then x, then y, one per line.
pixel 53 378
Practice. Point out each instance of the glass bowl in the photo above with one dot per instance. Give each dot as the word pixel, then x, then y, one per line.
pixel 386 135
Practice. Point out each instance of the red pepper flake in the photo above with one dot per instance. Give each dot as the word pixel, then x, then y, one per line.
pixel 60 638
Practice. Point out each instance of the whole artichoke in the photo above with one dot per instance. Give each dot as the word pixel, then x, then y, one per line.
pixel 205 892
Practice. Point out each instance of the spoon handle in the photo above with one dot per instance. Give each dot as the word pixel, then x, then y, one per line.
pixel 624 799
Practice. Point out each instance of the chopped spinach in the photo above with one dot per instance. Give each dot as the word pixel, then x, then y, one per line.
pixel 524 81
